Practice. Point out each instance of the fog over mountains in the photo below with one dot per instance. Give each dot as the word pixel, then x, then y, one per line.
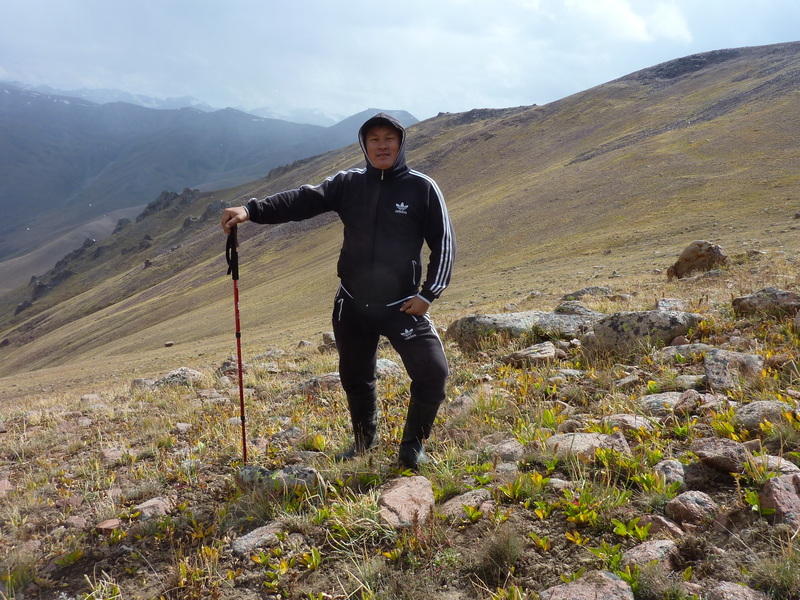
pixel 67 163
pixel 308 116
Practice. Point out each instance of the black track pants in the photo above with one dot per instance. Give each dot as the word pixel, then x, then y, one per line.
pixel 358 328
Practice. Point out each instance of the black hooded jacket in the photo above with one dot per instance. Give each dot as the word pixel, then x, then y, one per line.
pixel 387 215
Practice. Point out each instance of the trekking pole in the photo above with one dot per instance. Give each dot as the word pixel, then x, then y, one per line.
pixel 232 256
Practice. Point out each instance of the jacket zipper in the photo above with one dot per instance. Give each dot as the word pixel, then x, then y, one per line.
pixel 376 202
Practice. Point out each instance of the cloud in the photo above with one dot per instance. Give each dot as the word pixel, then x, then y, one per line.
pixel 668 21
pixel 623 20
pixel 425 57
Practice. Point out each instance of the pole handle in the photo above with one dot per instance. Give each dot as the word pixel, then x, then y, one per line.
pixel 232 254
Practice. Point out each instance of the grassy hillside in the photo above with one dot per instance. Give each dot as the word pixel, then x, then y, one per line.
pixel 602 188
pixel 606 185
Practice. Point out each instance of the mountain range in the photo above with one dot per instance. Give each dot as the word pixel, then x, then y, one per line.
pixel 76 167
pixel 605 185
pixel 309 116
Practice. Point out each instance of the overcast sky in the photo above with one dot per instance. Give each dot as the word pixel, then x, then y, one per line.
pixel 344 56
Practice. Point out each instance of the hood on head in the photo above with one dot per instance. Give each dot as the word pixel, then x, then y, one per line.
pixel 384 119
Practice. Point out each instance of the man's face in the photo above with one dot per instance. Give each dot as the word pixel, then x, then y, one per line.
pixel 383 146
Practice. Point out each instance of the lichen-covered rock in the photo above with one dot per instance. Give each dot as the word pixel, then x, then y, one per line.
pixel 638 330
pixel 751 415
pixel 280 480
pixel 182 376
pixel 592 290
pixel 468 332
pixel 768 301
pixel 584 445
pixel 726 370
pixel 660 404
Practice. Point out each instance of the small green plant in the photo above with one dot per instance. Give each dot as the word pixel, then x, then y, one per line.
pixel 541 542
pixel 103 589
pixel 723 423
pixel 472 514
pixel 753 498
pixel 574 576
pixel 523 488
pixel 543 508
pixel 631 576
pixel 682 430
pixel 312 559
pixel 512 592
pixel 656 491
pixel 481 473
pixel 631 529
pixel 580 509
pixel 577 538
pixel 276 566
pixel 199 576
pixel 757 470
pixel 611 556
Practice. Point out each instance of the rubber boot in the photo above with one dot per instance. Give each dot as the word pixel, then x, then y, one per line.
pixel 364 416
pixel 419 423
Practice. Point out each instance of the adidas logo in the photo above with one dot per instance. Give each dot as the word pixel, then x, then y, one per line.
pixel 408 334
pixel 401 209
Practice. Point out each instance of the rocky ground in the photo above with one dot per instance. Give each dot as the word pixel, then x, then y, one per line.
pixel 612 447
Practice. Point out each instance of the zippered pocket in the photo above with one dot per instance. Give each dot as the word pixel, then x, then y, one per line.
pixel 416 272
pixel 340 302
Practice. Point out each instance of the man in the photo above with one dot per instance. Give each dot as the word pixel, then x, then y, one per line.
pixel 388 210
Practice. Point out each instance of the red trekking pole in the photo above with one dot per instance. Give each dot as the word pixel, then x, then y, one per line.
pixel 232 256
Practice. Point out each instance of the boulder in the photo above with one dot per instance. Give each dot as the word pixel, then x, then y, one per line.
pixel 502 447
pixel 663 552
pixel 182 376
pixel 697 256
pixel 683 353
pixel 468 332
pixel 592 290
pixel 454 508
pixel 155 507
pixel 660 404
pixel 261 537
pixel 782 494
pixel 533 355
pixel 593 585
pixel 725 370
pixel 727 590
pixel 584 445
pixel 636 330
pixel 696 508
pixel 750 416
pixel 768 301
pixel 671 471
pixel 406 502
pixel 721 454
pixel 281 480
